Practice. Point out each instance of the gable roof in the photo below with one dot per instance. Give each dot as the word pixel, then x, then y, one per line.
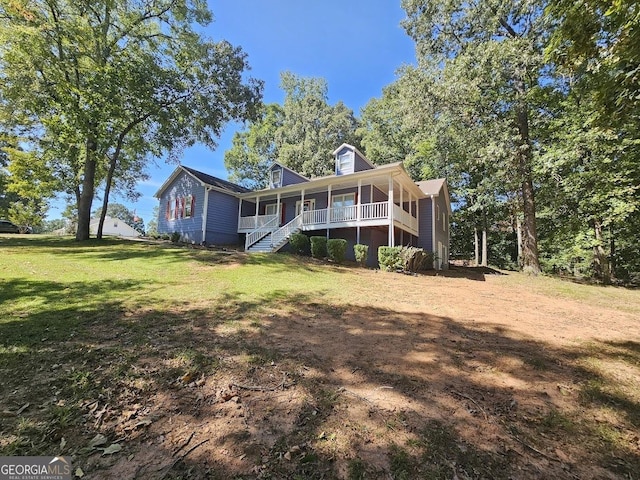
pixel 215 181
pixel 433 187
pixel 205 179
pixel 284 167
pixel 354 149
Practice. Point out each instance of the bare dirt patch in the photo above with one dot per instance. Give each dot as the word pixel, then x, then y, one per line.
pixel 470 374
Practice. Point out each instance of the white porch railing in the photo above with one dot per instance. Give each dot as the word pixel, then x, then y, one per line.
pixel 278 237
pixel 374 211
pixel 405 217
pixel 343 214
pixel 253 222
pixel 314 217
pixel 261 232
pixel 264 224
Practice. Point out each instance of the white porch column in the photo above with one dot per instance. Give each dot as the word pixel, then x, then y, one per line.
pixel 328 205
pixel 433 229
pixel 239 210
pixel 255 223
pixel 418 216
pixel 390 207
pixel 302 205
pixel 358 211
pixel 278 213
pixel 205 210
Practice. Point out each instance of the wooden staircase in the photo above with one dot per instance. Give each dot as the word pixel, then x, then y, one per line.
pixel 273 239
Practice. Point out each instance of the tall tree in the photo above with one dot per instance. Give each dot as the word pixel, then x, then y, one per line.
pixel 99 76
pixel 495 47
pixel 254 150
pixel 300 134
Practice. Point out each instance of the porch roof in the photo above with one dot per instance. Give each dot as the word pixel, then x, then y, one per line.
pixel 378 177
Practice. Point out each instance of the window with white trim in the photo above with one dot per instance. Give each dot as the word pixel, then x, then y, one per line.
pixel 345 162
pixel 345 200
pixel 188 206
pixel 171 208
pixel 271 209
pixel 276 177
pixel 340 210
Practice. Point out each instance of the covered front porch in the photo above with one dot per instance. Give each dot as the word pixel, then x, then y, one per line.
pixel 332 203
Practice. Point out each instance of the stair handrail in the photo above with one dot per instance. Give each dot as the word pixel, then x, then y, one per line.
pixel 286 230
pixel 259 233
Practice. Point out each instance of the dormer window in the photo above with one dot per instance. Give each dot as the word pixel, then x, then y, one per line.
pixel 344 163
pixel 276 177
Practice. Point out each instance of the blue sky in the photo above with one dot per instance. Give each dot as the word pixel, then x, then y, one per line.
pixel 356 45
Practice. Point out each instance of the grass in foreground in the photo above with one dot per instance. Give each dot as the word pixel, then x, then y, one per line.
pixel 148 346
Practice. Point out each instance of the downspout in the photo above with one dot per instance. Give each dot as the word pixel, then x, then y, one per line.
pixel 433 229
pixel 205 211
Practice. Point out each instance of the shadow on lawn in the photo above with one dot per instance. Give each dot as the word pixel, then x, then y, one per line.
pixel 341 392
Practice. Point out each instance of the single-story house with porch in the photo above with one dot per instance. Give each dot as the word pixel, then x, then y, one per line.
pixel 360 202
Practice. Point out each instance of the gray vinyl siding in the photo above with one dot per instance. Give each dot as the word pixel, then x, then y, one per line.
pixel 248 208
pixel 442 228
pixel 291 178
pixel 374 238
pixel 360 163
pixel 287 176
pixel 425 225
pixel 190 229
pixel 379 196
pixel 222 220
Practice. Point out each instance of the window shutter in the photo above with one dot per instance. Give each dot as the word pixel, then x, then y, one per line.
pixel 167 214
pixel 177 207
pixel 193 206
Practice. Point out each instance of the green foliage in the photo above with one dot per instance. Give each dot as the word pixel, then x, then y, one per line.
pixel 336 249
pixel 254 150
pixel 121 212
pixel 361 253
pixel 152 225
pixel 416 259
pixel 390 258
pixel 318 247
pixel 300 243
pixel 407 259
pixel 175 237
pixel 300 134
pixel 101 89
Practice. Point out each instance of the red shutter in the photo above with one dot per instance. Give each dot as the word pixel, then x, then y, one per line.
pixel 167 214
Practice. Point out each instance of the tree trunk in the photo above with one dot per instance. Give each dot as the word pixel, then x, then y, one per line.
pixel 599 255
pixel 477 246
pixel 519 239
pixel 530 262
pixel 107 190
pixel 612 253
pixel 485 262
pixel 86 196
